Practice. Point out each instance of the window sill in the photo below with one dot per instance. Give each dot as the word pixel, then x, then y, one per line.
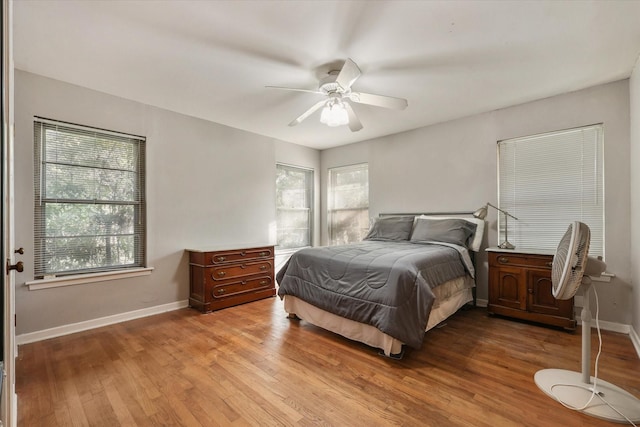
pixel 289 251
pixel 81 279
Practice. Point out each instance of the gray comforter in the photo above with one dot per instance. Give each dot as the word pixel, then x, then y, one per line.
pixel 384 284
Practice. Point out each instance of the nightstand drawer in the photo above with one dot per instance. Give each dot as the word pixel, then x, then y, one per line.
pixel 501 259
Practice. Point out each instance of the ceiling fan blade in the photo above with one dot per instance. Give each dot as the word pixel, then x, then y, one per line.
pixel 294 89
pixel 379 100
pixel 354 122
pixel 309 112
pixel 348 75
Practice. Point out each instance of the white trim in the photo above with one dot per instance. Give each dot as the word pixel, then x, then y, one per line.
pixel 635 339
pixel 97 323
pixel 481 302
pixel 87 128
pixel 608 326
pixel 80 279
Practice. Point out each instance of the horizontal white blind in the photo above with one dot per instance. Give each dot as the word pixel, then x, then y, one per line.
pixel 549 180
pixel 89 199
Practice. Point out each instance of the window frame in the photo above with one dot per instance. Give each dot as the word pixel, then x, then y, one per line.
pixel 331 210
pixel 309 189
pixel 52 278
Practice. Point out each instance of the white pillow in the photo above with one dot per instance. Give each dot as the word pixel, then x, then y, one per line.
pixel 476 241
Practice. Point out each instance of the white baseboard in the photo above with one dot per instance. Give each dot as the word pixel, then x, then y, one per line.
pixel 635 339
pixel 608 326
pixel 97 323
pixel 481 302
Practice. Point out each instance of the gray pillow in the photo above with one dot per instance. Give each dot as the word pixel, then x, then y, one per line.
pixel 391 228
pixel 456 231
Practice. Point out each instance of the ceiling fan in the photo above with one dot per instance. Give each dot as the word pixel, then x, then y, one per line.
pixel 336 86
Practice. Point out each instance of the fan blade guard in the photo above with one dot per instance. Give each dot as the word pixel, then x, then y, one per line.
pixel 569 261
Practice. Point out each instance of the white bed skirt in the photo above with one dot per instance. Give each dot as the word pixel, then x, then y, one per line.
pixel 449 298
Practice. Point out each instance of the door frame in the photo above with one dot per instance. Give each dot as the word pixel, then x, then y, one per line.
pixel 8 399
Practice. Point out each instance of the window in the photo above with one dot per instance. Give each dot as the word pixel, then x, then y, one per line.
pixel 294 206
pixel 348 195
pixel 89 199
pixel 550 180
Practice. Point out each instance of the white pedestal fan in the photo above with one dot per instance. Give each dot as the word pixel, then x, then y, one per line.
pixel 579 390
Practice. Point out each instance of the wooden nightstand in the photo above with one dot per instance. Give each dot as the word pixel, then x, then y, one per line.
pixel 520 287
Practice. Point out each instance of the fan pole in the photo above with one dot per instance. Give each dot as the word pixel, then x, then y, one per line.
pixel 585 316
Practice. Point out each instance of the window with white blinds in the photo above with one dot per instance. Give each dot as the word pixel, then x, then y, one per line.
pixel 294 206
pixel 348 199
pixel 550 180
pixel 89 199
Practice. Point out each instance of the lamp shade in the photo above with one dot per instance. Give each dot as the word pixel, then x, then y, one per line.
pixel 481 213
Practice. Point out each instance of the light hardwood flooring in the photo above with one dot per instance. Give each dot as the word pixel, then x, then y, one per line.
pixel 250 365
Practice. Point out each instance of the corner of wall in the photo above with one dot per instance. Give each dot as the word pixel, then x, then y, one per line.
pixel 634 136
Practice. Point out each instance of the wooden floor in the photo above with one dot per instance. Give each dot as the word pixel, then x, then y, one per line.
pixel 250 365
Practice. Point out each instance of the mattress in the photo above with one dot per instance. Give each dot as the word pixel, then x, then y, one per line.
pixel 450 297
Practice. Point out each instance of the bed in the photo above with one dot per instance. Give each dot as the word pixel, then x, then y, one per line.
pixel 410 273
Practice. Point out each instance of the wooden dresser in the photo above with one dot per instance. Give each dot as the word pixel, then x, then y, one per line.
pixel 224 277
pixel 520 286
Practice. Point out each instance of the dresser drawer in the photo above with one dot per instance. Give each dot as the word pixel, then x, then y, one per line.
pixel 235 255
pixel 231 288
pixel 225 272
pixel 501 259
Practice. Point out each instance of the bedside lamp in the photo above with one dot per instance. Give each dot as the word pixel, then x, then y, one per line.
pixel 482 213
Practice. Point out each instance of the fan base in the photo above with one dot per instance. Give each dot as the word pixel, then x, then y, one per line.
pixel 568 388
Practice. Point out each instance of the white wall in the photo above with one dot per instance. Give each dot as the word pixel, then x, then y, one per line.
pixel 207 184
pixel 452 166
pixel 634 90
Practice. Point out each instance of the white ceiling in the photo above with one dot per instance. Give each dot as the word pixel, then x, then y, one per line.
pixel 212 59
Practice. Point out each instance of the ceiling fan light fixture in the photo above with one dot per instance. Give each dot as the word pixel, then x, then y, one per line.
pixel 337 110
pixel 334 114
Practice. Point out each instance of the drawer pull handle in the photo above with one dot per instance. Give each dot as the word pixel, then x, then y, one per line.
pixel 243 253
pixel 263 267
pixel 221 259
pixel 550 264
pixel 263 254
pixel 263 282
pixel 221 273
pixel 503 260
pixel 221 291
pixel 244 282
pixel 243 266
